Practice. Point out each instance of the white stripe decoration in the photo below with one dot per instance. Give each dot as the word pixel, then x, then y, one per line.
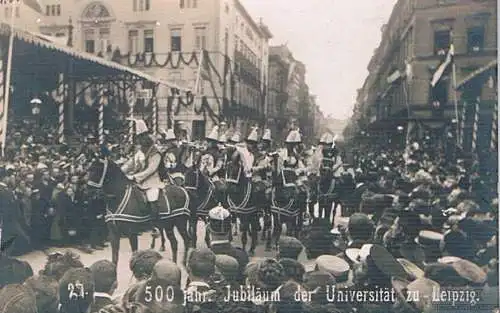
pixel 494 128
pixel 154 103
pixel 59 95
pixel 131 104
pixel 475 126
pixel 103 100
pixel 2 95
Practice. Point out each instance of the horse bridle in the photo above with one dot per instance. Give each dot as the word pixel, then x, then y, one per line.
pixel 103 176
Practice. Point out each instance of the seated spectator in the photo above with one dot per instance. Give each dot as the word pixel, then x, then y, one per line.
pixel 104 273
pixel 76 291
pixel 294 271
pixel 45 290
pixel 17 298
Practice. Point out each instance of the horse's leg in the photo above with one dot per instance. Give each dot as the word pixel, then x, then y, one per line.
pixel 169 230
pixel 134 242
pixel 207 236
pixel 234 222
pixel 254 231
pixel 114 238
pixel 278 228
pixel 193 224
pixel 244 224
pixel 183 231
pixel 162 237
pixel 153 241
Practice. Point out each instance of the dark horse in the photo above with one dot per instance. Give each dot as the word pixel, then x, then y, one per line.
pixel 287 204
pixel 244 200
pixel 126 208
pixel 202 198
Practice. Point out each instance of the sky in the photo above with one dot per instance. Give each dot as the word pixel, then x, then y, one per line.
pixel 335 40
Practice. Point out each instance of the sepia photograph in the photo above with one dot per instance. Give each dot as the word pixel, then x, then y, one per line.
pixel 249 156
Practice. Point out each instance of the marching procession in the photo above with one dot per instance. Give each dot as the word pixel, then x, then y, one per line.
pixel 408 223
pixel 165 157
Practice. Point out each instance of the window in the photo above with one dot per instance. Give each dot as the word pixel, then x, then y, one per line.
pixel 58 10
pixel 53 10
pixel 175 40
pixel 133 41
pixel 104 39
pixel 149 40
pixel 181 4
pixel 200 38
pixel 442 41
pixel 475 39
pixel 198 130
pixel 60 35
pixel 47 10
pixel 141 5
pixel 194 3
pixel 89 41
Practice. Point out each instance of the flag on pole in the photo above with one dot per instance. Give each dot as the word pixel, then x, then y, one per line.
pixel 444 67
pixel 34 5
pixel 437 92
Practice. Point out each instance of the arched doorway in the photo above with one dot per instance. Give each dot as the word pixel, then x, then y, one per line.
pixel 96 20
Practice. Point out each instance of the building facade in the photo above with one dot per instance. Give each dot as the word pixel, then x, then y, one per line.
pixel 277 97
pixel 140 34
pixel 415 41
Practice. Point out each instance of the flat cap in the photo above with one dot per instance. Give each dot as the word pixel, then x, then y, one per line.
pixel 228 266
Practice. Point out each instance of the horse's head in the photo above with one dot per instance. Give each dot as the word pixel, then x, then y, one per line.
pixel 98 172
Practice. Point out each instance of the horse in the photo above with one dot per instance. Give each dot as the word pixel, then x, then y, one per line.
pixel 287 206
pixel 201 191
pixel 126 207
pixel 244 200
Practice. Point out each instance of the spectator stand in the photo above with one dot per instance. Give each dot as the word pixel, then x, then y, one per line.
pixel 72 92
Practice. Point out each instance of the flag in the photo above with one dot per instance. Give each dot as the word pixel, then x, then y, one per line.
pixel 34 5
pixel 205 72
pixel 444 67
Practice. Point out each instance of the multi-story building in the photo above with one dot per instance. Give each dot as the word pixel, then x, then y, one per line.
pixel 415 41
pixel 161 38
pixel 295 80
pixel 277 96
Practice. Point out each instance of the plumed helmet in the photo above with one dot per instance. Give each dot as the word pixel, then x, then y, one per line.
pixel 253 136
pixel 141 127
pixel 214 134
pixel 223 138
pixel 169 134
pixel 236 137
pixel 219 220
pixel 293 137
pixel 267 135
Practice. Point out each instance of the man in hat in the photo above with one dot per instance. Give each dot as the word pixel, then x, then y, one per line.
pixel 149 178
pixel 219 232
pixel 211 161
pixel 293 167
pixel 171 158
pixel 262 176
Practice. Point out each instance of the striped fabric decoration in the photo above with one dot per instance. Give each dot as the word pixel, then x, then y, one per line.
pixel 103 100
pixel 2 95
pixel 154 103
pixel 494 129
pixel 131 104
pixel 59 95
pixel 462 124
pixel 475 127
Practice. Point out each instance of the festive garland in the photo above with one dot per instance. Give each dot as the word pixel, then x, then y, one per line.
pixel 228 108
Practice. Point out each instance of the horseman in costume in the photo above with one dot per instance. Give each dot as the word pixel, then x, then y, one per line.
pixel 337 167
pixel 293 167
pixel 262 175
pixel 211 163
pixel 171 159
pixel 147 178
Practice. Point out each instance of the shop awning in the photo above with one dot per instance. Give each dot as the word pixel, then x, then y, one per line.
pixel 493 64
pixel 39 40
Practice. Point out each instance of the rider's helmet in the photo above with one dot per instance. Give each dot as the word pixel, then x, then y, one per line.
pixel 213 136
pixel 235 138
pixel 219 220
pixel 267 135
pixel 170 135
pixel 253 137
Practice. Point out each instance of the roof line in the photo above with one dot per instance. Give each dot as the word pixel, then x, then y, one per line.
pixel 43 41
